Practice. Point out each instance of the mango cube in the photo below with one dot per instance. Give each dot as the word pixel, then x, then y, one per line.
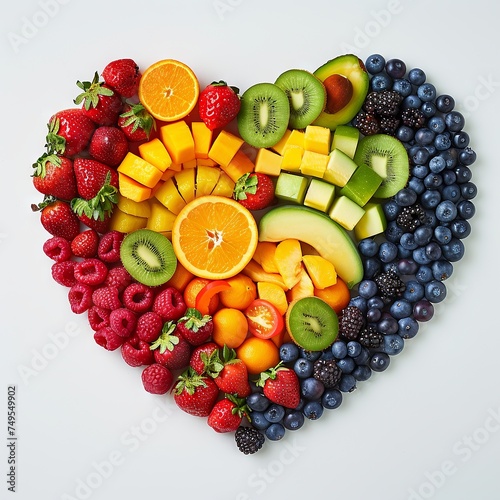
pixel 268 162
pixel 202 137
pixel 279 147
pixel 185 182
pixel 274 294
pixel 292 158
pixel 131 207
pixel 169 196
pixel 179 141
pixel 206 180
pixel 161 218
pixel 224 148
pixel 126 223
pixel 296 138
pixel 224 186
pixel 317 139
pixel 140 170
pixel 239 165
pixel 314 164
pixel 129 188
pixel 155 153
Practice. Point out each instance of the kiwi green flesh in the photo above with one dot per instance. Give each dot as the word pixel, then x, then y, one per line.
pixel 312 323
pixel 306 95
pixel 264 115
pixel 148 256
pixel 388 157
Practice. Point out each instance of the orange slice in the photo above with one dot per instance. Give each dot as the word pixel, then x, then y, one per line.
pixel 169 90
pixel 214 237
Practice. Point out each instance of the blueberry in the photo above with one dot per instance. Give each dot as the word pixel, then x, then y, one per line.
pixel 373 315
pixel 259 421
pixel 393 344
pixel 347 383
pixel 362 373
pixel 367 288
pixel 452 193
pixel 446 211
pixel 375 64
pixel 310 355
pixel 275 432
pixel 424 136
pixel 461 139
pixel 414 291
pixel 449 177
pixel 454 250
pixel 313 410
pixel 388 251
pixel 391 210
pixel 460 228
pixel 403 254
pixel 380 82
pixel 424 274
pixel 339 349
pixel 428 109
pixel 445 103
pixel 450 156
pixel 368 247
pixel 407 267
pixel 442 234
pixel 420 171
pixel 404 133
pixel 466 209
pixel 442 269
pixel 467 156
pixel 353 348
pixel 433 251
pixel 401 308
pixel 293 420
pixel 468 190
pixel 257 401
pixel 395 68
pixel 327 354
pixel 311 388
pixel 416 76
pixel 274 413
pixel 402 86
pixel 423 235
pixel 435 291
pixel 331 399
pixel 347 365
pixel 303 368
pixel 375 302
pixel 433 181
pixel 371 266
pixel 420 256
pixel 426 92
pixel 408 327
pixel 442 142
pixel 360 303
pixel 431 199
pixel 408 242
pixel 463 173
pixel 423 310
pixel 379 361
pixel 405 197
pixel 412 101
pixel 437 124
pixel 387 325
pixel 289 352
pixel 455 121
pixel 420 156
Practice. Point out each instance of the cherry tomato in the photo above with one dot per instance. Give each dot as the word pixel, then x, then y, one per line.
pixel 207 292
pixel 264 320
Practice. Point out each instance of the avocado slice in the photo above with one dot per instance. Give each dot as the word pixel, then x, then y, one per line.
pixel 346 81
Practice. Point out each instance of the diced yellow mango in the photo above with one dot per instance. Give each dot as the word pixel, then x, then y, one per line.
pixel 303 288
pixel 185 182
pixel 168 195
pixel 241 164
pixel 161 218
pixel 264 254
pixel 178 140
pixel 314 164
pixel 202 136
pixel 206 162
pixel 206 180
pixel 126 223
pixel 190 164
pixel 180 278
pixel 268 162
pixel 224 186
pixel 168 174
pixel 254 270
pixel 131 207
pixel 224 148
pixel 288 257
pixel 155 153
pixel 176 167
pixel 129 188
pixel 296 138
pixel 292 158
pixel 321 271
pixel 280 145
pixel 140 170
pixel 317 139
pixel 274 294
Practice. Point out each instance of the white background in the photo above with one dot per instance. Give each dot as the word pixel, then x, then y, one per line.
pixel 426 428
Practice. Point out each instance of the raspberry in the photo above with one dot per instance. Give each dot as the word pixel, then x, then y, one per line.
pixel 149 326
pixel 118 276
pixel 157 379
pixel 98 317
pixel 57 248
pixel 64 273
pixel 109 246
pixel 107 338
pixel 136 352
pixel 91 271
pixel 107 297
pixel 85 244
pixel 169 304
pixel 123 321
pixel 80 298
pixel 138 297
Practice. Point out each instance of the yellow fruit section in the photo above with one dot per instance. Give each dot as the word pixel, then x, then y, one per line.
pixel 202 137
pixel 161 218
pixel 185 181
pixel 129 188
pixel 131 207
pixel 179 141
pixel 140 170
pixel 224 186
pixel 317 139
pixel 255 271
pixel 268 162
pixel 274 294
pixel 303 288
pixel 224 148
pixel 265 256
pixel 206 180
pixel 321 271
pixel 170 197
pixel 240 164
pixel 288 259
pixel 155 153
pixel 126 223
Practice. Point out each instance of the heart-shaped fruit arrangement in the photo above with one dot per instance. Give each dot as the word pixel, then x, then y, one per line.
pixel 257 256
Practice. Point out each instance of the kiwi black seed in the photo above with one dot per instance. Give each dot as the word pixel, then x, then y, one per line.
pixel 306 95
pixel 388 157
pixel 148 256
pixel 264 114
pixel 312 323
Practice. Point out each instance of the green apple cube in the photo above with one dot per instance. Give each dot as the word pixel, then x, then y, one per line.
pixel 362 185
pixel 345 138
pixel 319 195
pixel 346 212
pixel 372 223
pixel 291 187
pixel 339 169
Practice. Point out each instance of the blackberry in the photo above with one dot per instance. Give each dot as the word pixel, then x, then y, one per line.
pixel 389 124
pixel 367 124
pixel 350 323
pixel 390 285
pixel 249 440
pixel 411 217
pixel 385 103
pixel 370 337
pixel 413 118
pixel 327 371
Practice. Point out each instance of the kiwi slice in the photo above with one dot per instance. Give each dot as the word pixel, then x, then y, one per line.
pixel 388 158
pixel 148 256
pixel 306 95
pixel 263 116
pixel 312 323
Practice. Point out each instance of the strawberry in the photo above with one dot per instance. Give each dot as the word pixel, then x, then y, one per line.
pixel 136 122
pixel 203 357
pixel 227 414
pixel 108 145
pixel 170 349
pixel 100 225
pixel 194 327
pixel 218 104
pixel 195 394
pixel 254 191
pixel 100 102
pixel 122 75
pixel 57 218
pixel 70 132
pixel 54 176
pixel 281 386
pixel 85 244
pixel 91 176
pixel 233 375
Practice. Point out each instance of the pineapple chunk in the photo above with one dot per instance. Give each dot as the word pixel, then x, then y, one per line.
pixel 280 145
pixel 140 170
pixel 206 180
pixel 292 158
pixel 314 164
pixel 129 188
pixel 317 139
pixel 224 186
pixel 179 141
pixel 224 148
pixel 241 164
pixel 202 136
pixel 155 153
pixel 169 196
pixel 268 162
pixel 185 181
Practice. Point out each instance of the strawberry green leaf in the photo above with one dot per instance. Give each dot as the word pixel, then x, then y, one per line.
pixel 40 165
pixel 167 339
pixel 91 92
pixel 246 184
pixel 193 319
